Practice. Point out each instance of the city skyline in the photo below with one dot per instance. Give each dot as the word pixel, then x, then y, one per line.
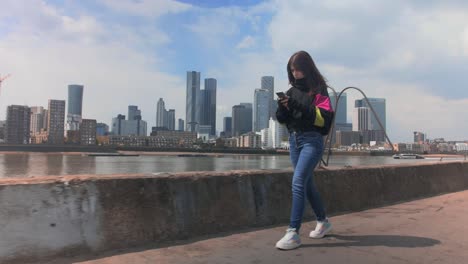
pixel 135 113
pixel 134 52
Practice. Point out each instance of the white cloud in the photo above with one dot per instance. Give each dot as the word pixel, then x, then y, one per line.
pixel 246 43
pixel 217 24
pixel 389 50
pixel 380 49
pixel 147 8
pixel 44 60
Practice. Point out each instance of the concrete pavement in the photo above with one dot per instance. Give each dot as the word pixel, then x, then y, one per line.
pixel 431 230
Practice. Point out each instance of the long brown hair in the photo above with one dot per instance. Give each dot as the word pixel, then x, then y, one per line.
pixel 303 62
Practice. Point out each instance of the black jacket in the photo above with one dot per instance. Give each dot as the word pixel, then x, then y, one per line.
pixel 306 112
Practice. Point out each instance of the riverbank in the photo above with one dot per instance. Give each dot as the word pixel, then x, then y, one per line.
pixel 81 150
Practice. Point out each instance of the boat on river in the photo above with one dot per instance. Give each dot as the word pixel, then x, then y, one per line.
pixel 408 156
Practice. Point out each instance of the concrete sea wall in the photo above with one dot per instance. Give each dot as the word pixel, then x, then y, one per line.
pixel 42 218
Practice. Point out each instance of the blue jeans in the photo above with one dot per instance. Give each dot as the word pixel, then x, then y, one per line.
pixel 306 150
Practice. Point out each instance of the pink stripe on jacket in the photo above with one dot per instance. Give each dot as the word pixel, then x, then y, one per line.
pixel 323 102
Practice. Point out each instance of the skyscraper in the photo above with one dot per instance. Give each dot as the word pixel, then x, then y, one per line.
pixel 75 102
pixel 227 126
pixel 268 83
pixel 193 89
pixel 379 106
pixel 160 113
pixel 122 127
pixel 118 125
pixel 241 119
pixel 133 112
pixel 208 112
pixel 17 130
pixel 340 111
pixel 361 119
pixel 170 124
pixel 261 109
pixel 56 122
pixel 181 124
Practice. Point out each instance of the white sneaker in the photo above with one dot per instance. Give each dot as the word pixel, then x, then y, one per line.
pixel 290 241
pixel 322 228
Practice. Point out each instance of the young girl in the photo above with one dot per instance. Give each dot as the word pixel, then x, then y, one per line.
pixel 307 113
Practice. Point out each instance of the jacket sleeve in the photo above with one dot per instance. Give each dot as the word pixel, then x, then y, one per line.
pixel 282 113
pixel 324 112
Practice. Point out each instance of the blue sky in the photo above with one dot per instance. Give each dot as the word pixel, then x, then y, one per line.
pixel 413 53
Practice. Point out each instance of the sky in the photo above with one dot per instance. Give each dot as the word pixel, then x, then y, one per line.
pixel 133 52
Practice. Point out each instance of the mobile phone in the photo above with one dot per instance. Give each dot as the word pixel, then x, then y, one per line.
pixel 281 94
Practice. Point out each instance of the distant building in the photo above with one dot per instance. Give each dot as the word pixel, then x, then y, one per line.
pixel 261 109
pixel 227 126
pixel 461 147
pixel 241 119
pixel 193 90
pixel 163 139
pixel 341 111
pixel 75 103
pixel 102 129
pixel 361 119
pixel 250 140
pixel 181 124
pixel 347 138
pixel 38 119
pixel 207 105
pixel 161 114
pixel 2 130
pixel 372 135
pixel 17 129
pixel 88 132
pixel 73 137
pixel 340 127
pixel 268 83
pixel 118 125
pixel 419 137
pixel 183 138
pixel 230 142
pixel 274 135
pixel 56 122
pixel 278 133
pixel 379 106
pixel 133 112
pixel 135 127
pixel 39 138
pixel 170 121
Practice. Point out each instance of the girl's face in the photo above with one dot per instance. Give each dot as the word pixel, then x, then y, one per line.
pixel 296 73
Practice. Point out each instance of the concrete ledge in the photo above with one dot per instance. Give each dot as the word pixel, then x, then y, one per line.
pixel 56 216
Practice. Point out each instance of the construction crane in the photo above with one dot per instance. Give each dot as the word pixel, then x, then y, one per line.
pixel 2 79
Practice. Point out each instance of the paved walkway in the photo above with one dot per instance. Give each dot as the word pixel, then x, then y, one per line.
pixel 432 230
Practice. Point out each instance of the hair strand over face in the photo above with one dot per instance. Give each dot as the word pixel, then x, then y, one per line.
pixel 303 62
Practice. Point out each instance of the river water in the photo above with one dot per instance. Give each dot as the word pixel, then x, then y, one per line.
pixel 41 164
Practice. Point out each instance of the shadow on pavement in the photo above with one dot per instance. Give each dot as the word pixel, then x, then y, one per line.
pixel 376 240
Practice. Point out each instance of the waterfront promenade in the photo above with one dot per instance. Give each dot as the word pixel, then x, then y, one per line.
pixel 235 216
pixel 431 230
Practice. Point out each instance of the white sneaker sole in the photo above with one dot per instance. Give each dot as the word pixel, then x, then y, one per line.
pixel 288 247
pixel 322 235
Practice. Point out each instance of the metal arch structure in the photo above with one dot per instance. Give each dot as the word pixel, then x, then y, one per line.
pixel 2 79
pixel 329 137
